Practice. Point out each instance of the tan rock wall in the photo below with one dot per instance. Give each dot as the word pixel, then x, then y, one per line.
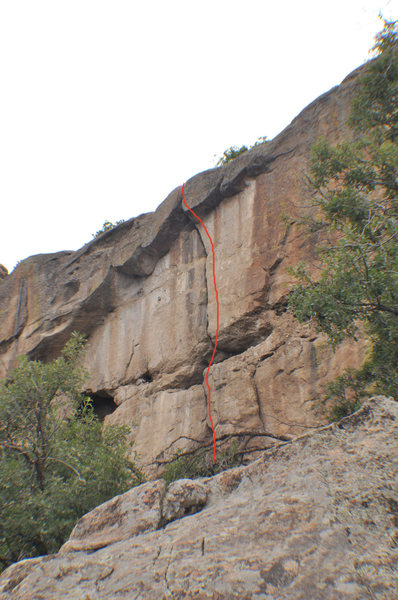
pixel 143 294
pixel 159 328
pixel 166 420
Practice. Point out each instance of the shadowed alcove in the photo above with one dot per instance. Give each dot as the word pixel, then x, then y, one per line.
pixel 103 404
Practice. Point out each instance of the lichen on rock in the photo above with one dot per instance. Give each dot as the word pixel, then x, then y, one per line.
pixel 315 517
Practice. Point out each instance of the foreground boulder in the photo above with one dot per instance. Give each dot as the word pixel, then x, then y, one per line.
pixel 313 519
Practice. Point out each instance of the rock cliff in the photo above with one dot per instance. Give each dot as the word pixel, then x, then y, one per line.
pixel 315 518
pixel 143 295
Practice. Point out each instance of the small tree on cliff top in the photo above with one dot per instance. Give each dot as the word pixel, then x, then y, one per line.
pixel 53 469
pixel 356 197
pixel 234 151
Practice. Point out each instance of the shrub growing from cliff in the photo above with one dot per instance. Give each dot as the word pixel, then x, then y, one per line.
pixel 53 469
pixel 234 151
pixel 107 226
pixel 356 202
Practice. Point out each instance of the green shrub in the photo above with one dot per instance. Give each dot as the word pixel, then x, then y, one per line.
pixel 107 226
pixel 234 151
pixel 53 469
pixel 345 394
pixel 354 192
pixel 230 154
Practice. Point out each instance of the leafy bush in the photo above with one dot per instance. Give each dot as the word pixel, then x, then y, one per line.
pixel 345 393
pixel 107 226
pixel 230 154
pixel 234 151
pixel 53 469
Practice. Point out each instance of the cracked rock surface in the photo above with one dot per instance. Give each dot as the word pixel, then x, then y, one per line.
pixel 315 518
pixel 143 294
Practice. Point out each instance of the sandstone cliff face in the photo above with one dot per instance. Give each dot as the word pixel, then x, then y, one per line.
pixel 315 518
pixel 143 294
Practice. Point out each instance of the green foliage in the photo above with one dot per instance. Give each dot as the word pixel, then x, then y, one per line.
pixel 107 226
pixel 356 186
pixel 375 107
pixel 230 154
pixel 234 151
pixel 53 469
pixel 345 392
pixel 261 140
pixel 199 463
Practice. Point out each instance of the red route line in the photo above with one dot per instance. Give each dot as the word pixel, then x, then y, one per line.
pixel 218 320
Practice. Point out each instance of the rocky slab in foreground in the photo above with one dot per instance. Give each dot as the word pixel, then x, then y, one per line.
pixel 143 295
pixel 313 519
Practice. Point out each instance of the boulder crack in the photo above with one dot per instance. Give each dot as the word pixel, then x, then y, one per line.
pixel 157 555
pixel 167 571
pixel 162 521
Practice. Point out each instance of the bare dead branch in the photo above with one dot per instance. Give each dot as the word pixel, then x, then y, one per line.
pixel 203 448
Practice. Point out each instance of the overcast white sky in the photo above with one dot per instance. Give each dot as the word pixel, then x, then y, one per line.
pixel 107 105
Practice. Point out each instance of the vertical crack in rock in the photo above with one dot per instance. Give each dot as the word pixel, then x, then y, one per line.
pixel 167 570
pixel 21 312
pixel 260 410
pixel 284 239
pixel 162 497
pixel 255 387
pixel 130 358
pixel 204 386
pixel 207 283
pixel 157 555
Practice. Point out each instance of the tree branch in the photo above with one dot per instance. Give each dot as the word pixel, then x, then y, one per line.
pixel 15 448
pixel 203 447
pixel 67 465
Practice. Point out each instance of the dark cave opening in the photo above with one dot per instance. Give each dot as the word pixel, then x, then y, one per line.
pixel 147 377
pixel 103 404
